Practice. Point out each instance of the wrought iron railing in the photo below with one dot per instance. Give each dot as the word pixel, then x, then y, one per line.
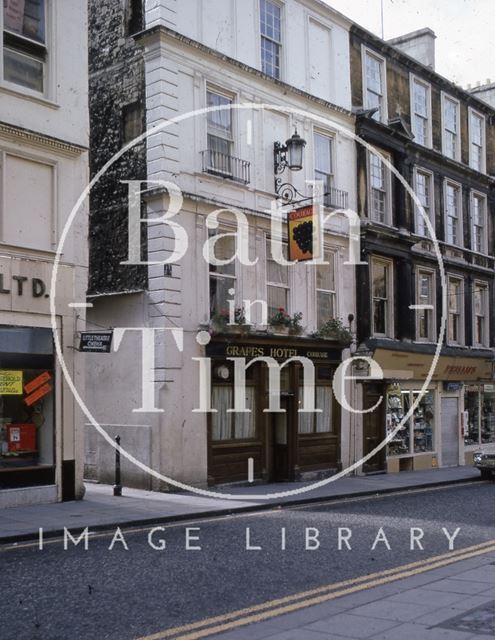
pixel 336 198
pixel 225 165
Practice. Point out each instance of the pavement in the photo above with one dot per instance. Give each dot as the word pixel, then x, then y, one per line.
pixel 101 510
pixel 455 602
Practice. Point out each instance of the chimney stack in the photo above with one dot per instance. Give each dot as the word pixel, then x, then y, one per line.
pixel 420 45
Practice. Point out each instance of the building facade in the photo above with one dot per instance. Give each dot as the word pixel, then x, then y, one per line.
pixel 251 76
pixel 440 139
pixel 43 156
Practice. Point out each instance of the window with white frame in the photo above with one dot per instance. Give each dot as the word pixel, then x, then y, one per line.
pixel 277 282
pixel 381 294
pixel 421 112
pixel 480 312
pixel 324 163
pixel 379 189
pixel 271 37
pixel 453 217
pixel 455 292
pixel 24 43
pixel 451 147
pixel 423 186
pixel 374 90
pixel 476 141
pixel 425 305
pixel 219 132
pixel 222 277
pixel 325 289
pixel 478 223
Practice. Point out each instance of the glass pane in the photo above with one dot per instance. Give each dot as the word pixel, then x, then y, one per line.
pixel 25 17
pixel 324 402
pixel 325 275
pixel 325 307
pixel 373 74
pixel 276 273
pixel 23 70
pixel 488 417
pixel 471 405
pixel 323 154
pixel 244 423
pixel 219 294
pixel 423 420
pixel 224 249
pixel 379 280
pixel 221 422
pixel 278 298
pixel 219 122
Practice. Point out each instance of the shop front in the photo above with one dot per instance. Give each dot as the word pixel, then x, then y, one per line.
pixel 285 445
pixel 437 430
pixel 478 418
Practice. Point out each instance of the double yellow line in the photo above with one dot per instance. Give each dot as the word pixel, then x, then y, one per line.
pixel 295 602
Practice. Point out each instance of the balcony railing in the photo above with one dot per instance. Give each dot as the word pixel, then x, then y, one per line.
pixel 336 198
pixel 222 164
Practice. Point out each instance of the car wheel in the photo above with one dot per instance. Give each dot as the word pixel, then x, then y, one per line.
pixel 486 474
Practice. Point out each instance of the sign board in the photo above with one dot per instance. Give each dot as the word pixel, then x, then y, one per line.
pixel 96 342
pixel 452 386
pixel 38 394
pixel 10 383
pixel 37 382
pixel 303 229
pixel 252 350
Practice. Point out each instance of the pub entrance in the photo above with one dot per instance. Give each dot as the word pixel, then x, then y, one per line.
pixel 284 446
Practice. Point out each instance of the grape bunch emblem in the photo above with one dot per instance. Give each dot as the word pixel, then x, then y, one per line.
pixel 303 235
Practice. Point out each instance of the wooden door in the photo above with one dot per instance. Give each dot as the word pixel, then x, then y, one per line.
pixel 374 427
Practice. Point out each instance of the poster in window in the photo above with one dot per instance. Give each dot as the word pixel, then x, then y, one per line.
pixel 303 230
pixel 13 15
pixel 10 383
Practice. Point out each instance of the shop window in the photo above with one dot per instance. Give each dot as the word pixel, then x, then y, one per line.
pixel 222 277
pixel 271 37
pixel 318 422
pixel 453 214
pixel 277 282
pixel 27 404
pixel 379 189
pixel 416 434
pixel 229 425
pixel 325 289
pixel 425 301
pixel 480 312
pixel 24 43
pixel 455 323
pixel 423 185
pixel 374 85
pixel 381 292
pixel 479 404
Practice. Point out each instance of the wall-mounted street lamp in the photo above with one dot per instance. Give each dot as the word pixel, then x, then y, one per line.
pixel 289 156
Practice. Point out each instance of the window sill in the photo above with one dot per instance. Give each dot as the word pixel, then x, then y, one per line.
pixel 20 92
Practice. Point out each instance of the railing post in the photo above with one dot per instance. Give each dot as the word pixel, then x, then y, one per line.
pixel 117 487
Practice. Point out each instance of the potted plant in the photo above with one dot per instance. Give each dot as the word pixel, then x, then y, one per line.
pixel 220 322
pixel 283 323
pixel 334 329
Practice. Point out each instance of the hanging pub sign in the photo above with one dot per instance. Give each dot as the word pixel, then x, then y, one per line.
pixel 303 230
pixel 96 342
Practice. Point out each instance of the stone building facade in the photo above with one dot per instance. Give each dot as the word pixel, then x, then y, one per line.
pixel 44 137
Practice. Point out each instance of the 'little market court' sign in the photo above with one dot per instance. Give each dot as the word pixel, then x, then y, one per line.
pixel 96 342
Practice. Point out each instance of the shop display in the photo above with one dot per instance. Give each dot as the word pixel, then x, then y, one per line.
pixel 479 405
pixel 416 434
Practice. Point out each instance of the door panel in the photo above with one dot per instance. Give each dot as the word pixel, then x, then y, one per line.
pixel 374 427
pixel 450 432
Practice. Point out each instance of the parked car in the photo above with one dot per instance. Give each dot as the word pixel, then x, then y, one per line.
pixel 485 462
